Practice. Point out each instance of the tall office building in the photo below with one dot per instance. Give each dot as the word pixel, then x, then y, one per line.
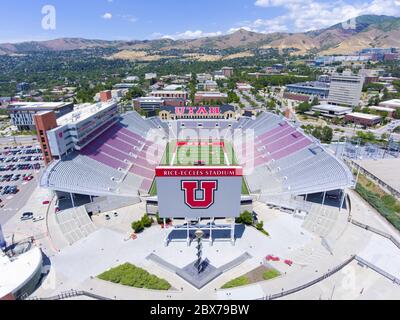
pixel 345 89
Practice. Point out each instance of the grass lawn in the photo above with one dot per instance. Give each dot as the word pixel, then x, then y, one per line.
pixel 153 189
pixel 240 281
pixel 245 190
pixel 258 274
pixel 129 275
pixel 270 274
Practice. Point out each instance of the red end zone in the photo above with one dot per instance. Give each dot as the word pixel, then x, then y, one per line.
pixel 200 143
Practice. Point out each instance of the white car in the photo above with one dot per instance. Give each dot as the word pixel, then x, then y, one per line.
pixel 37 219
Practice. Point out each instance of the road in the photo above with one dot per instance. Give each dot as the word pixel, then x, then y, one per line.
pixel 17 201
pixel 18 140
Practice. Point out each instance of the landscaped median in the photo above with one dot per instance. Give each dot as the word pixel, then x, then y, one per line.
pixel 129 275
pixel 259 274
pixel 384 203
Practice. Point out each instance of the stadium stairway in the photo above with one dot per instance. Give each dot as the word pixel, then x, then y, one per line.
pixel 321 220
pixel 105 204
pixel 75 224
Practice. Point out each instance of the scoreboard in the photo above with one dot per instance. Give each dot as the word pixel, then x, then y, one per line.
pixel 199 192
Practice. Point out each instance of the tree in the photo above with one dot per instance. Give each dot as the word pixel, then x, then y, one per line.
pixel 147 221
pixel 133 93
pixel 137 226
pixel 245 218
pixel 304 107
pixel 397 113
pixel 192 87
pixel 324 134
pixel 327 134
pixel 271 105
pixel 233 97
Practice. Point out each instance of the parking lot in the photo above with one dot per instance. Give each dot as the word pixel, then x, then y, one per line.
pixel 18 166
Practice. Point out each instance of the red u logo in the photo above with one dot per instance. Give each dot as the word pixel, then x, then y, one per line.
pixel 207 189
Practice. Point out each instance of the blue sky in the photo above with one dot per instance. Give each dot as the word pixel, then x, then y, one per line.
pixel 21 20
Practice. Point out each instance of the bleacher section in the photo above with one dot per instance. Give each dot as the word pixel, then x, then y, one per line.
pixel 120 161
pixel 283 160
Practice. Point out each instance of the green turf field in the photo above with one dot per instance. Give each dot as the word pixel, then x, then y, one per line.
pixel 188 155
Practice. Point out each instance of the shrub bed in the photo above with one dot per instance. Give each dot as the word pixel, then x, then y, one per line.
pixel 386 205
pixel 129 275
pixel 145 222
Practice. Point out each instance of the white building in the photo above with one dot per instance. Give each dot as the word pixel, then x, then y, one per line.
pixel 395 104
pixel 345 89
pixel 150 76
pixel 331 111
pixel 131 79
pixel 20 276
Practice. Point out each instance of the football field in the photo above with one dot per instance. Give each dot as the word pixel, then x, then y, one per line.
pixel 206 153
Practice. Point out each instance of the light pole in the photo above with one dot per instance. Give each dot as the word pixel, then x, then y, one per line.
pixel 199 234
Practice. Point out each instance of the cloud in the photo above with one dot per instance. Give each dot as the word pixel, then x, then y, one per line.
pixel 128 17
pixel 189 34
pixel 305 15
pixel 301 16
pixel 277 24
pixel 107 16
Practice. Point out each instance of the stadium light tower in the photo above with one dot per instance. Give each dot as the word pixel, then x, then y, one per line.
pixel 199 235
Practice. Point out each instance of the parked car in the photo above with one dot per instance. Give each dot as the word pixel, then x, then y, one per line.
pixel 107 217
pixel 27 216
pixel 39 218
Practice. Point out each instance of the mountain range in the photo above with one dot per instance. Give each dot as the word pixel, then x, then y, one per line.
pixel 369 31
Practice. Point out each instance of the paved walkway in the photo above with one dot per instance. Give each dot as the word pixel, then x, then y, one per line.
pixel 77 266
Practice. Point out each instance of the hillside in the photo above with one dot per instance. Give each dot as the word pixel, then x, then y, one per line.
pixel 370 31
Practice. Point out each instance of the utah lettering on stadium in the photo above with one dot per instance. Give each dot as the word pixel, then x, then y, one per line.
pixel 197 110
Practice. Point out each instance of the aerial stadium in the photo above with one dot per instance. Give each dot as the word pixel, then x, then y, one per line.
pixel 201 197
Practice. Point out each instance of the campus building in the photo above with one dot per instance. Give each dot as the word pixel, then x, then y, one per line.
pixel 227 71
pixel 23 86
pixel 210 97
pixel 394 104
pixel 331 111
pixel 170 94
pixel 79 128
pixel 148 103
pixel 313 88
pixel 345 89
pixel 22 113
pixel 363 119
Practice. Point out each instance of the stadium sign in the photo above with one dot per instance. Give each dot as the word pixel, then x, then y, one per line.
pixel 199 192
pixel 197 111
